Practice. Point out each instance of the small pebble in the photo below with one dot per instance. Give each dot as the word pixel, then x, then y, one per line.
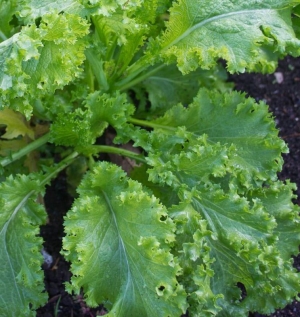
pixel 48 259
pixel 279 77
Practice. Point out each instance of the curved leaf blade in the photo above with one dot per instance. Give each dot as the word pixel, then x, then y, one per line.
pixel 277 199
pixel 21 277
pixel 193 253
pixel 124 233
pixel 243 242
pixel 250 35
pixel 15 125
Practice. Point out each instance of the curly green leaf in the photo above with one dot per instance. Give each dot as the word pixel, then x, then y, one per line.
pixel 37 61
pixel 249 128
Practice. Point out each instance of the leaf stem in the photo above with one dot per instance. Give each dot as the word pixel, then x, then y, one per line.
pixel 90 77
pixel 151 124
pixel 119 151
pixel 60 166
pixel 97 69
pixel 140 65
pixel 111 49
pixel 3 36
pixel 25 150
pixel 129 82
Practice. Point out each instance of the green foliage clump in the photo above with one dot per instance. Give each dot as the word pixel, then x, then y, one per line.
pixel 202 210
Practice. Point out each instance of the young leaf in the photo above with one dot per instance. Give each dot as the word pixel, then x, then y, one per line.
pixel 182 158
pixel 109 108
pixel 106 8
pixel 249 35
pixel 165 194
pixel 21 277
pixel 72 130
pixel 117 239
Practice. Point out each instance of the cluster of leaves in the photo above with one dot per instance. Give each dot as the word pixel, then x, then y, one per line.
pixel 203 212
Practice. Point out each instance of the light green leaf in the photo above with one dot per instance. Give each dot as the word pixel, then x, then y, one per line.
pixel 183 159
pixel 21 277
pixel 30 10
pixel 122 33
pixel 37 61
pixel 194 258
pixel 75 129
pixel 244 230
pixel 107 7
pixel 243 244
pixel 110 108
pixel 117 25
pixel 249 35
pixel 117 239
pixel 249 129
pixel 244 234
pixel 277 199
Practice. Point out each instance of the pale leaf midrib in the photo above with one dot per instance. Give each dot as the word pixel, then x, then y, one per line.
pixel 110 207
pixel 212 19
pixel 3 236
pixel 230 217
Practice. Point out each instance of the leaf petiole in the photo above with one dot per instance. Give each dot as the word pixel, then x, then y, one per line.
pixel 130 81
pixel 119 151
pixel 150 124
pixel 60 166
pixel 25 150
pixel 3 36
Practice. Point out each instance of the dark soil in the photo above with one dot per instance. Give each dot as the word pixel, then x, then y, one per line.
pixel 281 93
pixel 60 303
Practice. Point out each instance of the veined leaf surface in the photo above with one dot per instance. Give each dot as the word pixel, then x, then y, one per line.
pixel 253 233
pixel 117 240
pixel 250 35
pixel 241 246
pixel 21 277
